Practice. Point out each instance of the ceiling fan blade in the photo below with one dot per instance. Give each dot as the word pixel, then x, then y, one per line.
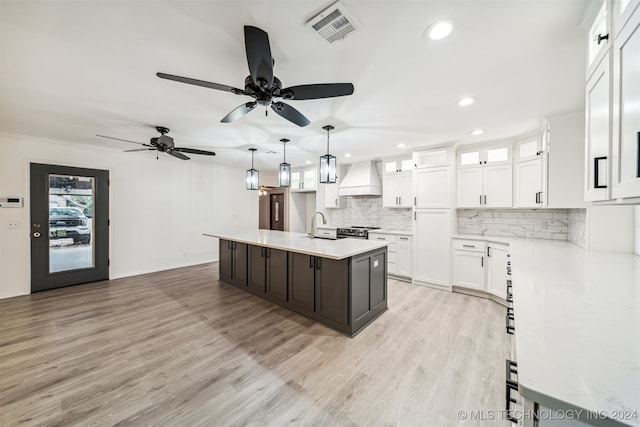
pixel 239 112
pixel 140 149
pixel 317 91
pixel 194 151
pixel 177 154
pixel 202 83
pixel 124 140
pixel 290 113
pixel 259 58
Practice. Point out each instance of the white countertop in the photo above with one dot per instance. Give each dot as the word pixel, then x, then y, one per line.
pixel 577 319
pixel 301 243
pixel 397 232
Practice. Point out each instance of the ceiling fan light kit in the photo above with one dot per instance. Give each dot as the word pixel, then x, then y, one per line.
pixel 327 163
pixel 253 175
pixel 284 170
pixel 264 87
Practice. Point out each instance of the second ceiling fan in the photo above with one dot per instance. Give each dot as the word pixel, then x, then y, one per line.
pixel 263 86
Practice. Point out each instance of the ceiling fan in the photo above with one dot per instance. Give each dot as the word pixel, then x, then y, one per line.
pixel 263 86
pixel 164 144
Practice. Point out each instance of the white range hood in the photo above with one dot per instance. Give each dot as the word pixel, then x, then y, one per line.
pixel 361 180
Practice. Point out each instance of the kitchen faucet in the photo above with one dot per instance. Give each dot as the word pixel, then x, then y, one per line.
pixel 313 223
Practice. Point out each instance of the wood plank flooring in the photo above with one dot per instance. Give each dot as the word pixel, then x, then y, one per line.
pixel 181 348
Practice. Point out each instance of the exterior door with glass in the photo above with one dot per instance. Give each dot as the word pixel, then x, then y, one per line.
pixel 69 226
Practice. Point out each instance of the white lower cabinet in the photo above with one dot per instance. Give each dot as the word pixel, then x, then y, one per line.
pixel 398 253
pixel 480 267
pixel 432 247
pixel 468 264
pixel 496 266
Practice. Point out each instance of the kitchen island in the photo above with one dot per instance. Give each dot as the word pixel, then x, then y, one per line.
pixel 339 283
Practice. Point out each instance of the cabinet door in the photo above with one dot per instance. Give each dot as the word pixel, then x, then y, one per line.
pixel 391 190
pixel 432 243
pixel 391 166
pixel 239 263
pixel 468 269
pixel 302 282
pixel 529 148
pixel 309 179
pixel 497 270
pixel 406 190
pixel 296 180
pixel 331 198
pixel 597 134
pixel 470 187
pixel 224 265
pixel 626 101
pixel 406 165
pixel 598 37
pixel 529 184
pixel 497 182
pixel 276 274
pixel 432 187
pixel 403 256
pixel 257 269
pixel 332 287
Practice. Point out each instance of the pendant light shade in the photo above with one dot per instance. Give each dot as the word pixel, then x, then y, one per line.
pixel 327 163
pixel 284 171
pixel 253 175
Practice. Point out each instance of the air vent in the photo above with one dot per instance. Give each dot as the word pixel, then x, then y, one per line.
pixel 334 23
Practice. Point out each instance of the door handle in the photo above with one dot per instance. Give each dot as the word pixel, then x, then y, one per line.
pixel 596 171
pixel 638 160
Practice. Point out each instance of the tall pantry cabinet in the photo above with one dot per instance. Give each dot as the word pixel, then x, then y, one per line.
pixel 432 217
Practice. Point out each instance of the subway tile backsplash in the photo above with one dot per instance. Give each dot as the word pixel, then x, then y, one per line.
pixel 578 227
pixel 550 224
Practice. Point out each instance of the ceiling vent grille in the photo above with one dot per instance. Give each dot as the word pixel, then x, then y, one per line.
pixel 334 23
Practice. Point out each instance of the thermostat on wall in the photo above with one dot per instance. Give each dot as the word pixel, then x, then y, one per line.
pixel 11 202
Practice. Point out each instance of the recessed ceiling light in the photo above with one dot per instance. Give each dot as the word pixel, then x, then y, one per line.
pixel 477 132
pixel 439 30
pixel 308 162
pixel 402 145
pixel 347 155
pixel 466 101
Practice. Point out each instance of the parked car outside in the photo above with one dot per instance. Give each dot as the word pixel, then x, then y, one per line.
pixel 69 223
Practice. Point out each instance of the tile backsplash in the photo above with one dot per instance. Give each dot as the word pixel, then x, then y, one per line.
pixel 368 211
pixel 577 227
pixel 531 223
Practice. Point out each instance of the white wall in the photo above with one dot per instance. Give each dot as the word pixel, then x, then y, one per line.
pixel 158 208
pixel 637 228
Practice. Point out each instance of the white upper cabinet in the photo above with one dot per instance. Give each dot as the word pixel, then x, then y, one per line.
pixel 529 184
pixel 392 166
pixel 626 108
pixel 598 39
pixel 529 148
pixel 432 187
pixel 431 158
pixel 622 11
pixel 485 177
pixel 397 190
pixel 598 134
pixel 303 179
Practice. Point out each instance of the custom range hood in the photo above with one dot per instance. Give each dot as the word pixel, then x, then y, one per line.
pixel 361 180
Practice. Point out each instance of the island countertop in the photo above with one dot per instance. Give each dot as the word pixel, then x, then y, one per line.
pixel 301 243
pixel 577 319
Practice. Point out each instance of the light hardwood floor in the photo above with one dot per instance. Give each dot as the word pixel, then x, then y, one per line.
pixel 180 348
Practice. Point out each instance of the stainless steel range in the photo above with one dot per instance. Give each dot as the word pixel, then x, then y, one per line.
pixel 355 231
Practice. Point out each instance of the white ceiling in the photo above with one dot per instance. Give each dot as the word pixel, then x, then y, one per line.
pixel 74 69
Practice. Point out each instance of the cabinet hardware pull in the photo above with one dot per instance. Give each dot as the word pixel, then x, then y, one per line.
pixel 511 368
pixel 538 153
pixel 318 263
pixel 310 261
pixel 381 238
pixel 596 170
pixel 399 200
pixel 485 200
pixel 601 37
pixel 415 199
pixel 468 246
pixel 266 252
pixel 638 161
pixel 488 255
pixel 262 252
pixel 481 261
pixel 336 202
pixel 537 197
pixel 414 216
pixel 404 238
pixel 481 199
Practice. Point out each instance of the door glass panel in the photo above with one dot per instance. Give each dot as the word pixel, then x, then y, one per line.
pixel 431 158
pixel 390 166
pixel 407 164
pixel 71 200
pixel 528 149
pixel 470 158
pixel 498 155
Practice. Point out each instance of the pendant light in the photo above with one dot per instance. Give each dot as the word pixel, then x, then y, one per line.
pixel 253 175
pixel 327 163
pixel 284 171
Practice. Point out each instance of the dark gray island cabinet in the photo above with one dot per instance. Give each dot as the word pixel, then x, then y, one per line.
pixel 344 293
